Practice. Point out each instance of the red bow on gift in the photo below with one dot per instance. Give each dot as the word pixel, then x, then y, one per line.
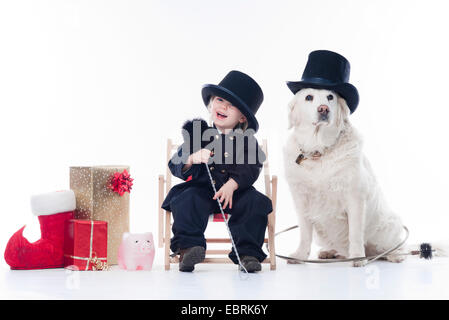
pixel 121 182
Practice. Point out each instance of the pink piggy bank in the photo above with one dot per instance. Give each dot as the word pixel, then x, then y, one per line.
pixel 136 252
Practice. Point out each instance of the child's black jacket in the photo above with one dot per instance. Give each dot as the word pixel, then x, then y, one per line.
pixel 239 161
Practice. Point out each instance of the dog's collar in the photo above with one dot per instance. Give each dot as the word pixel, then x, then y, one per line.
pixel 316 155
pixel 312 156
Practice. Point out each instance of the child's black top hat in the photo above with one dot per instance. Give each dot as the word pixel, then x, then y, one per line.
pixel 239 89
pixel 328 70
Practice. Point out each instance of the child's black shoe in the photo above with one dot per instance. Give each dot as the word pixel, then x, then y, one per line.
pixel 251 264
pixel 189 257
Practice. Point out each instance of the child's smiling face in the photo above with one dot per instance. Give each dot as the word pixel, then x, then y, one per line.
pixel 225 115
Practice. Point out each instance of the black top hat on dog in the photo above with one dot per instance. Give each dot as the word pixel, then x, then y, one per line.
pixel 239 89
pixel 328 70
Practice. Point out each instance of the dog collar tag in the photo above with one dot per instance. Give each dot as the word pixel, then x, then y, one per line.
pixel 300 158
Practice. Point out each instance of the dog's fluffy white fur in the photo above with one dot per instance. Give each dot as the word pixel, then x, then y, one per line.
pixel 336 195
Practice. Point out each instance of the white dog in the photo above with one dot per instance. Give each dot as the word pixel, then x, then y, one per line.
pixel 335 192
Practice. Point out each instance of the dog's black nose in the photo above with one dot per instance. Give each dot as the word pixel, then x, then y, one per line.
pixel 323 109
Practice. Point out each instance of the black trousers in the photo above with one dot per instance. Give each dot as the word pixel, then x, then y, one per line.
pixel 248 220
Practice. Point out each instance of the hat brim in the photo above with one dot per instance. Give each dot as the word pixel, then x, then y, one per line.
pixel 346 90
pixel 214 90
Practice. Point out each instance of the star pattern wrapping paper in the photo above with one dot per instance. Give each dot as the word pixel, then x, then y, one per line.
pixel 95 201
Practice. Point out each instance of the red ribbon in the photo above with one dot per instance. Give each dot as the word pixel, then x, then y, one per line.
pixel 121 182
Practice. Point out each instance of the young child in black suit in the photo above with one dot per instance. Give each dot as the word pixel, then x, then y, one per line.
pixel 235 159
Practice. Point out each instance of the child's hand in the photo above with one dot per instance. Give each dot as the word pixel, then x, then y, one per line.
pixel 201 156
pixel 225 193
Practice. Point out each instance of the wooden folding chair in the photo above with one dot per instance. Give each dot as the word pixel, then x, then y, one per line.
pixel 165 224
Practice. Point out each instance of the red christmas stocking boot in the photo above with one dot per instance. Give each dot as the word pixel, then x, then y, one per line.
pixel 52 209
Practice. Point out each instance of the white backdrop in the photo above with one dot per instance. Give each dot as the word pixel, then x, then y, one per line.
pixel 107 82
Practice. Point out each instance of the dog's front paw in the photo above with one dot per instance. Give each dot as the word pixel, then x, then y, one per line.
pixel 360 263
pixel 395 258
pixel 291 261
pixel 327 254
pixel 358 251
pixel 298 255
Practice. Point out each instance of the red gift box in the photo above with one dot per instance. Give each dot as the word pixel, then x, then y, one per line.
pixel 85 244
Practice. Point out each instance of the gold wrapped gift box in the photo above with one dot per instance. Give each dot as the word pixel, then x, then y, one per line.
pixel 96 201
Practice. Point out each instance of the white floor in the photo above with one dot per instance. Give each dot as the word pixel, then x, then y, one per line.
pixel 413 279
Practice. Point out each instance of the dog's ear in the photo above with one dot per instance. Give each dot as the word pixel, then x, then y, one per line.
pixel 293 119
pixel 343 111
